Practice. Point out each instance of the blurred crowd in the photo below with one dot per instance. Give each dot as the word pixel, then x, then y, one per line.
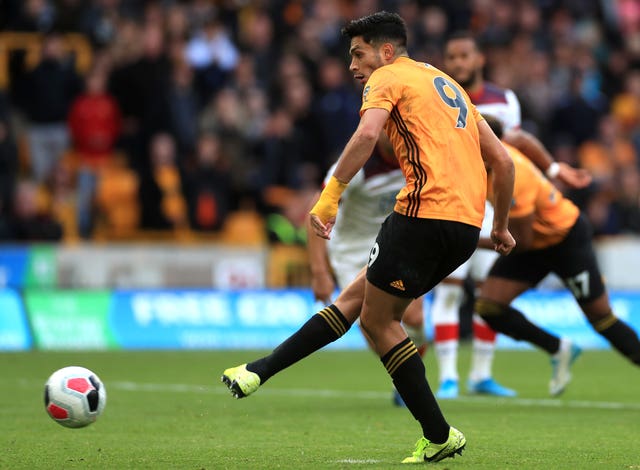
pixel 165 115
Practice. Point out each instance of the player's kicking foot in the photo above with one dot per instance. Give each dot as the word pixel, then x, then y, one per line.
pixel 240 381
pixel 427 451
pixel 561 363
pixel 489 387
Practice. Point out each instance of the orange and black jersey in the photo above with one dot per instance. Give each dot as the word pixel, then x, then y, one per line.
pixel 554 214
pixel 433 129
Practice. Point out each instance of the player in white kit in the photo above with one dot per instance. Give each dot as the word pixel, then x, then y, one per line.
pixel 464 61
pixel 364 205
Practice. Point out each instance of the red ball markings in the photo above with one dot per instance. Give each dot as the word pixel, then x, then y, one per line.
pixel 57 412
pixel 79 384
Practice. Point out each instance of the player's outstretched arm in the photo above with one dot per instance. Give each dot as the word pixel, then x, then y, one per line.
pixel 535 151
pixel 353 157
pixel 499 162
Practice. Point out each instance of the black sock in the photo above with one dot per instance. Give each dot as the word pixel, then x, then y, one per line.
pixel 324 327
pixel 620 335
pixel 511 322
pixel 405 366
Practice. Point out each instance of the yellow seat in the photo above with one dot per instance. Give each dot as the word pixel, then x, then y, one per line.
pixel 244 228
pixel 117 202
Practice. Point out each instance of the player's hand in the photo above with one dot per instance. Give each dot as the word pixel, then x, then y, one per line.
pixel 322 285
pixel 323 216
pixel 574 177
pixel 323 213
pixel 320 229
pixel 503 241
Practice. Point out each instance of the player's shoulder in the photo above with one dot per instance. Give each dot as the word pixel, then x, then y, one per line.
pixel 403 66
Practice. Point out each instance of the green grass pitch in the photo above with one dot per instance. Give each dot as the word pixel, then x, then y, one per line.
pixel 168 410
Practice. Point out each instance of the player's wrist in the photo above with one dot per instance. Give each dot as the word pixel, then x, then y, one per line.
pixel 327 205
pixel 552 170
pixel 334 189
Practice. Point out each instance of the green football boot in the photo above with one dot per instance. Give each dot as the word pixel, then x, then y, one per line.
pixel 240 381
pixel 427 451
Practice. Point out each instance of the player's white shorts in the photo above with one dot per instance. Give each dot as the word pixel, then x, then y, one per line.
pixel 481 260
pixel 346 265
pixel 345 272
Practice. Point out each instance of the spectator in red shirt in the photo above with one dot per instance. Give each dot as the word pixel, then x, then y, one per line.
pixel 94 122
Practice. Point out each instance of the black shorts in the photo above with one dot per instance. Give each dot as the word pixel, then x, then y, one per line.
pixel 411 255
pixel 573 260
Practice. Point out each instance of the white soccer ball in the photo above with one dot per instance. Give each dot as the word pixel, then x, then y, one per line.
pixel 74 397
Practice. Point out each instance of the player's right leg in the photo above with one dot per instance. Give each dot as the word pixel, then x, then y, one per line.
pixel 324 327
pixel 413 324
pixel 406 368
pixel 427 451
pixel 380 317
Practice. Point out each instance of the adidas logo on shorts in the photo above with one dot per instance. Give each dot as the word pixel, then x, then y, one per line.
pixel 398 284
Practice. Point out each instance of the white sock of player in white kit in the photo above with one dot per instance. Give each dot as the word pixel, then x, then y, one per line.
pixel 484 344
pixel 445 316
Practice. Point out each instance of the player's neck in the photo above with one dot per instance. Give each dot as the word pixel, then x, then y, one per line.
pixel 399 56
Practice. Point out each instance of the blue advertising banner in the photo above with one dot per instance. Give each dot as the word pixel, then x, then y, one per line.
pixel 204 319
pixel 14 263
pixel 261 319
pixel 14 329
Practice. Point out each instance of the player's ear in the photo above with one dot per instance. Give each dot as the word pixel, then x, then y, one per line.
pixel 388 51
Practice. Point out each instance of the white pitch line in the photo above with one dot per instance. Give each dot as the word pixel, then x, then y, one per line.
pixel 358 461
pixel 371 395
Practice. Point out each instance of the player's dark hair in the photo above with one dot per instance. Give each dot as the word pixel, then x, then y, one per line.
pixel 378 28
pixel 463 34
pixel 495 124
